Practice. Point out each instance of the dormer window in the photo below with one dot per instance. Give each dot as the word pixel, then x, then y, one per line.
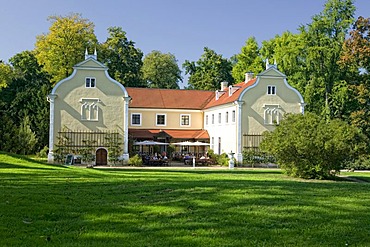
pixel 90 82
pixel 271 90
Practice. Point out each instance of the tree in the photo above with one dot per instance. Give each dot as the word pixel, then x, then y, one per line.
pixel 288 52
pixel 25 96
pixel 323 39
pixel 208 71
pixel 161 70
pixel 8 130
pixel 248 60
pixel 26 138
pixel 64 46
pixel 356 59
pixel 124 61
pixel 308 146
pixel 310 58
pixel 5 74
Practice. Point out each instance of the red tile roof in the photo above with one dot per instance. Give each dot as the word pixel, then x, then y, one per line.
pixel 181 98
pixel 225 98
pixel 169 98
pixel 142 133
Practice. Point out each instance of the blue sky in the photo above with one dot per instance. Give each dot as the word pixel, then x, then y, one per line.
pixel 182 28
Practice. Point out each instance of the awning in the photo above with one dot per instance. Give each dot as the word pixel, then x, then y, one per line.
pixel 151 134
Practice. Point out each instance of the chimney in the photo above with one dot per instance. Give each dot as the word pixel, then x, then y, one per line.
pixel 224 85
pixel 248 76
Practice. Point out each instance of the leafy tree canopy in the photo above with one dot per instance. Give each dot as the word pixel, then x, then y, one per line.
pixel 248 60
pixel 323 39
pixel 6 73
pixel 25 96
pixel 123 59
pixel 356 59
pixel 63 47
pixel 209 71
pixel 161 70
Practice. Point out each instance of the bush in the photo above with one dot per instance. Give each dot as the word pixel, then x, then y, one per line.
pixel 308 146
pixel 43 152
pixel 135 160
pixel 222 159
pixel 362 163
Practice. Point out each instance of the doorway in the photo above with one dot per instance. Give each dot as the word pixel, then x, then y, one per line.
pixel 101 157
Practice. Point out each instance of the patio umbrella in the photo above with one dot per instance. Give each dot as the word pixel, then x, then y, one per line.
pixel 186 143
pixel 193 144
pixel 198 143
pixel 150 143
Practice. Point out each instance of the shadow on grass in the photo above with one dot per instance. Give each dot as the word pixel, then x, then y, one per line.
pixel 19 158
pixel 198 170
pixel 160 207
pixel 9 165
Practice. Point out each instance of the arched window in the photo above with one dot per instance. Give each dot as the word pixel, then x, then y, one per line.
pixel 271 114
pixel 90 109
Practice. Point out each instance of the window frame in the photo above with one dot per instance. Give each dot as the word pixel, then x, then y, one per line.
pixel 90 79
pixel 181 120
pixel 90 109
pixel 132 118
pixel 156 119
pixel 271 90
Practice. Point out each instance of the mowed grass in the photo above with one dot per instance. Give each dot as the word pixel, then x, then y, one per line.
pixel 48 205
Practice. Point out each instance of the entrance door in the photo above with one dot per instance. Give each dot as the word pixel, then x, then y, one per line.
pixel 101 157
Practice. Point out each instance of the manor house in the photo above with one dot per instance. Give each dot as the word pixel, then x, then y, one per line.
pixel 90 109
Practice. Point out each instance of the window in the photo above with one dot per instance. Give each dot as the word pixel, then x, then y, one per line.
pixel 271 90
pixel 219 117
pixel 212 143
pixel 90 109
pixel 219 145
pixel 90 82
pixel 227 117
pixel 213 118
pixel 161 119
pixel 271 114
pixel 136 119
pixel 185 120
pixel 233 116
pixel 206 119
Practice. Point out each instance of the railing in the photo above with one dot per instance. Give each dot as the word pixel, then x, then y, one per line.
pixel 78 139
pixel 85 143
pixel 252 141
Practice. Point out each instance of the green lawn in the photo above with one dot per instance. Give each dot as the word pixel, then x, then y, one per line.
pixel 46 205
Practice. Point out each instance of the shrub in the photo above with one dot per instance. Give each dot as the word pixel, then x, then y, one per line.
pixel 362 163
pixel 222 159
pixel 135 160
pixel 308 146
pixel 43 152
